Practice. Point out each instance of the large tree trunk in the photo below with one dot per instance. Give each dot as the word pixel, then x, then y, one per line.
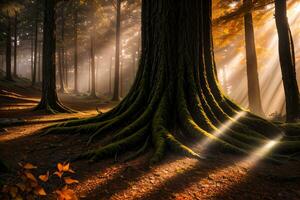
pixel 15 44
pixel 75 51
pixel 252 74
pixel 49 101
pixel 116 94
pixel 176 88
pixel 8 51
pixel 287 62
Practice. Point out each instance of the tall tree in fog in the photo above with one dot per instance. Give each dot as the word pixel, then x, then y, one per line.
pixel 15 42
pixel 251 59
pixel 36 32
pixel 75 16
pixel 49 101
pixel 8 50
pixel 116 92
pixel 61 52
pixel 287 62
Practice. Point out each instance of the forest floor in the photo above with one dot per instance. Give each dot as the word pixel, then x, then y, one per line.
pixel 220 176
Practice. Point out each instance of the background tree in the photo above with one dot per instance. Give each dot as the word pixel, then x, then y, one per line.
pixel 49 101
pixel 116 93
pixel 287 62
pixel 252 74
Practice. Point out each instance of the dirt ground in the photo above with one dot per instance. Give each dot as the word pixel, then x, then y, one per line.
pixel 219 176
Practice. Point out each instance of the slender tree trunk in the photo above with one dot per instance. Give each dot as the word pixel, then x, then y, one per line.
pixel 287 62
pixel 49 101
pixel 32 55
pixel 110 78
pixel 116 94
pixel 252 74
pixel 35 51
pixel 66 66
pixel 62 54
pixel 39 62
pixel 8 51
pixel 60 71
pixel 93 67
pixel 15 44
pixel 75 51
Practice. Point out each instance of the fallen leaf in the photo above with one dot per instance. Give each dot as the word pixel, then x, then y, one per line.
pixel 59 174
pixel 69 180
pixel 29 166
pixel 13 191
pixel 40 191
pixel 45 177
pixel 30 176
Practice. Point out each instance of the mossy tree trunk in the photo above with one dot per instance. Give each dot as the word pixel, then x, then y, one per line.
pixel 252 73
pixel 175 88
pixel 287 62
pixel 49 101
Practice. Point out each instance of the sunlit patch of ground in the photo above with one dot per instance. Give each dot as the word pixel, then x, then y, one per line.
pixel 220 176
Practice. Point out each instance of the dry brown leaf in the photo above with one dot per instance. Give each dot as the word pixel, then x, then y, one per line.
pixel 39 191
pixel 59 173
pixel 30 176
pixel 69 180
pixel 13 191
pixel 45 177
pixel 66 194
pixel 29 166
pixel 60 167
pixel 66 167
pixel 21 186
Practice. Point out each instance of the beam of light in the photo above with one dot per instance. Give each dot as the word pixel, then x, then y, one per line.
pixel 268 61
pixel 233 4
pixel 219 131
pixel 263 151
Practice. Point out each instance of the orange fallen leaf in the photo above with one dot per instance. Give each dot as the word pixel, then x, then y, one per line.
pixel 40 191
pixel 66 167
pixel 29 166
pixel 30 176
pixel 13 191
pixel 66 194
pixel 60 167
pixel 45 177
pixel 59 173
pixel 69 180
pixel 21 186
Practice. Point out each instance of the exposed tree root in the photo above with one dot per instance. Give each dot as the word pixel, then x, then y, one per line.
pixel 175 87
